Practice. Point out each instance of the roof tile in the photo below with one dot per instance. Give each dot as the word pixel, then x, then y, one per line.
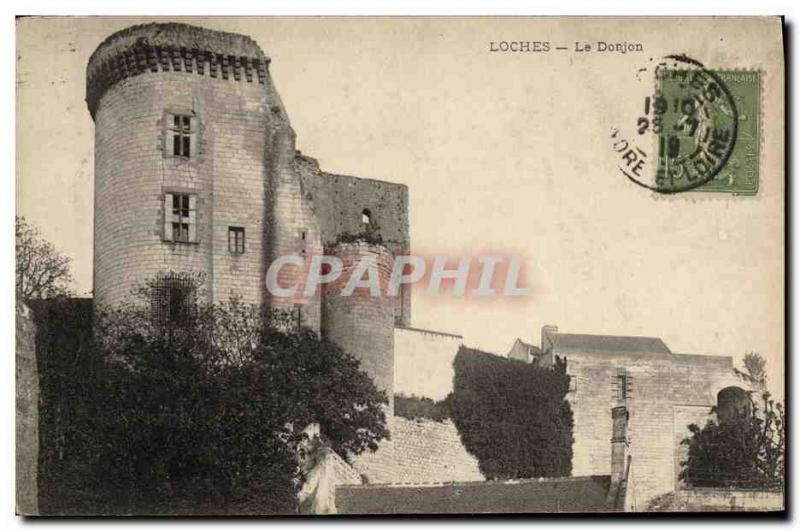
pixel 579 494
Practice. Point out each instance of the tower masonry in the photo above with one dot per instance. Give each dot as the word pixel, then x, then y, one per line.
pixel 196 172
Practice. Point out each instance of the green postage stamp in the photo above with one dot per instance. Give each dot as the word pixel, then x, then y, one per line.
pixel 709 136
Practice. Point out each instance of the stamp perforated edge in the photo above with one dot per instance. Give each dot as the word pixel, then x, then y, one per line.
pixel 694 196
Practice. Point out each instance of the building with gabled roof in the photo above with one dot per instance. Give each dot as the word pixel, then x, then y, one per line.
pixel 523 351
pixel 663 391
pixel 596 342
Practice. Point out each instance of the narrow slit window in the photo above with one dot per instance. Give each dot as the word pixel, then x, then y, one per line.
pixel 303 239
pixel 623 384
pixel 236 240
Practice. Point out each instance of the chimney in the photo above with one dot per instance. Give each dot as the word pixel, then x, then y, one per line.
pixel 619 457
pixel 547 342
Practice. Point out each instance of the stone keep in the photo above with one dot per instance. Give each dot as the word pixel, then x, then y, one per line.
pixel 196 172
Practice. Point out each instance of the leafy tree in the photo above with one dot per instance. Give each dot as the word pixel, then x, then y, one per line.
pixel 369 233
pixel 512 416
pixel 745 447
pixel 207 414
pixel 67 365
pixel 754 371
pixel 41 270
pixel 746 451
pixel 416 407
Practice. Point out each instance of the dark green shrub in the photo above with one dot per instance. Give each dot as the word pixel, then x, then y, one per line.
pixel 745 451
pixel 204 416
pixel 415 407
pixel 68 367
pixel 369 234
pixel 512 416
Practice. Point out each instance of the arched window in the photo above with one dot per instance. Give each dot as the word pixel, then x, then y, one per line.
pixel 733 403
pixel 366 217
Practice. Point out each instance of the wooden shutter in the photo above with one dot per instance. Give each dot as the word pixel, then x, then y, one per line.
pixel 192 218
pixel 168 217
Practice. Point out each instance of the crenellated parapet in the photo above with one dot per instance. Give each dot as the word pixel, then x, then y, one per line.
pixel 172 48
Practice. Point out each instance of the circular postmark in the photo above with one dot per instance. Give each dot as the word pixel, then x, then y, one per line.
pixel 685 130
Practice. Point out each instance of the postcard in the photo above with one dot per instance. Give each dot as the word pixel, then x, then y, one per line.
pixel 400 265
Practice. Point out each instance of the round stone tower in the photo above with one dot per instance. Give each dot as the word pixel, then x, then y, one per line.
pixel 362 324
pixel 187 176
pixel 196 172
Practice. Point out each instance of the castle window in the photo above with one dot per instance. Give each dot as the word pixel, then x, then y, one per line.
pixel 180 218
pixel 172 300
pixel 622 385
pixel 236 240
pixel 180 134
pixel 366 217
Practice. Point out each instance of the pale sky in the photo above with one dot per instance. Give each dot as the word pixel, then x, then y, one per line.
pixel 502 152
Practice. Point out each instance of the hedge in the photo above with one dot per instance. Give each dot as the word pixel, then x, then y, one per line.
pixel 512 416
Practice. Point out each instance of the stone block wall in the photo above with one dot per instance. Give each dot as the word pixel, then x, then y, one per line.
pixel 595 380
pixel 420 451
pixel 696 379
pixel 292 226
pixel 243 169
pixel 226 172
pixel 424 362
pixel 710 500
pixel 667 392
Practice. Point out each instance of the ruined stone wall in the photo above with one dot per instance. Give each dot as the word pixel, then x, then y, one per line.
pixel 339 202
pixel 424 362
